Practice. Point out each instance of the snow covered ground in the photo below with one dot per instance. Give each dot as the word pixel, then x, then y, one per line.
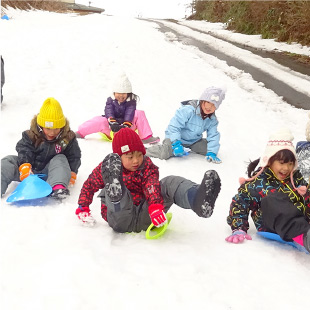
pixel 48 261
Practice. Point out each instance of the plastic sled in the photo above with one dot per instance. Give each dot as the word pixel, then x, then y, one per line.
pixel 154 232
pixel 276 237
pixel 33 187
pixel 104 137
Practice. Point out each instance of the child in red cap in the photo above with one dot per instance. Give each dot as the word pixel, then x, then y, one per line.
pixel 132 197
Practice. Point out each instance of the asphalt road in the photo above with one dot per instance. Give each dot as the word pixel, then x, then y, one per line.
pixel 289 94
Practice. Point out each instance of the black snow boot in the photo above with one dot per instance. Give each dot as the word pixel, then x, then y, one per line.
pixel 206 194
pixel 112 174
pixel 60 193
pixel 307 241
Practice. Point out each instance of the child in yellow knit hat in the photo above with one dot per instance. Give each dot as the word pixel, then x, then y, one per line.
pixel 49 147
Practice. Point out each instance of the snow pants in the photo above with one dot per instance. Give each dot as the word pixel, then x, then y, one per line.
pixel 2 77
pixel 57 170
pixel 280 216
pixel 124 216
pixel 164 151
pixel 303 158
pixel 100 124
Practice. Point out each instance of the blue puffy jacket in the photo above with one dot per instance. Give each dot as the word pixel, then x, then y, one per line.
pixel 187 125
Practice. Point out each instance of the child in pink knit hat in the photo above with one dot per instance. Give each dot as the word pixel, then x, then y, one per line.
pixel 275 195
pixel 133 197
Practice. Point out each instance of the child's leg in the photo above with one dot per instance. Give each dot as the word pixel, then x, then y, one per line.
pixel 282 217
pixel 200 147
pixel 141 123
pixel 189 195
pixel 96 124
pixel 122 215
pixel 163 151
pixel 303 157
pixel 58 171
pixel 9 172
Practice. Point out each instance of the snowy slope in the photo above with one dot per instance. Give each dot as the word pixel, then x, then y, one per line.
pixel 48 261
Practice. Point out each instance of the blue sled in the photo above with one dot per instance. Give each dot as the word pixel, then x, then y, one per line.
pixel 33 187
pixel 275 237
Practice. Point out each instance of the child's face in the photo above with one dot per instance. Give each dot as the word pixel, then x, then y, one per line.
pixel 132 161
pixel 51 134
pixel 282 170
pixel 207 107
pixel 120 97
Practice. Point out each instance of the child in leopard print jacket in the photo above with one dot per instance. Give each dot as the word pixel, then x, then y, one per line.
pixel 303 154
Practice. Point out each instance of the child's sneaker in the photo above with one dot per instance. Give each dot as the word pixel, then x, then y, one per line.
pixel 151 140
pixel 60 193
pixel 112 174
pixel 207 193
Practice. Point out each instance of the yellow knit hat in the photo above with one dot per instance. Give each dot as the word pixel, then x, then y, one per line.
pixel 51 115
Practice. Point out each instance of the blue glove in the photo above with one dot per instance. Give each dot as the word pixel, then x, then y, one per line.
pixel 212 158
pixel 177 148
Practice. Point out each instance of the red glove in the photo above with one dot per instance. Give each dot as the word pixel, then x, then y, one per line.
pixel 73 178
pixel 24 171
pixel 157 214
pixel 83 214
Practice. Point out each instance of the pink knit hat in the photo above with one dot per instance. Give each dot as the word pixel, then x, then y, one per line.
pixel 127 140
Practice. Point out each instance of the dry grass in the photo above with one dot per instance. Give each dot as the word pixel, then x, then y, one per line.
pixel 286 21
pixel 45 5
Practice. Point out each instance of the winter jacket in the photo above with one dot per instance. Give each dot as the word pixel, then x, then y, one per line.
pixel 122 112
pixel 187 125
pixel 33 148
pixel 250 194
pixel 143 184
pixel 303 158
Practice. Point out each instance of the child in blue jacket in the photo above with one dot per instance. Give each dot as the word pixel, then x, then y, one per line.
pixel 187 126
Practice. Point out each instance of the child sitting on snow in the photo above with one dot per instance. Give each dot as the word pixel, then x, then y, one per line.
pixel 132 196
pixel 120 111
pixel 275 195
pixel 186 128
pixel 48 147
pixel 303 154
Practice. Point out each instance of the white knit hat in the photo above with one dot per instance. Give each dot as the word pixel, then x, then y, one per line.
pixel 308 129
pixel 122 85
pixel 279 140
pixel 214 95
